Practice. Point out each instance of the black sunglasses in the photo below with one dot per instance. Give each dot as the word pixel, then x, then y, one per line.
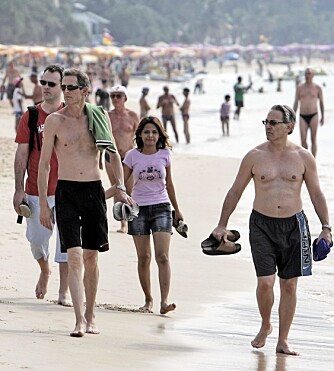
pixel 48 83
pixel 116 96
pixel 273 122
pixel 71 87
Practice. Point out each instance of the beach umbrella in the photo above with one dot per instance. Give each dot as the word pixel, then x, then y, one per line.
pixel 106 51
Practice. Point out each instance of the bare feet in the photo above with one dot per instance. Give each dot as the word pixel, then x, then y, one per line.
pixel 260 339
pixel 147 308
pixel 165 308
pixel 123 228
pixel 64 300
pixel 283 347
pixel 42 285
pixel 79 331
pixel 92 329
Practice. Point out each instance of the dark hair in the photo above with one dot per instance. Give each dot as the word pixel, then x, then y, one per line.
pixel 82 78
pixel 55 68
pixel 227 96
pixel 186 90
pixel 289 114
pixel 163 136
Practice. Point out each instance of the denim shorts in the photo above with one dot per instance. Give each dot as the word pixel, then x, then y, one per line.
pixel 155 218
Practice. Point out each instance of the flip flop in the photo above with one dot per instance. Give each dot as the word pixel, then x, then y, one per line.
pixel 232 235
pixel 128 212
pixel 117 211
pixel 25 209
pixel 180 226
pixel 123 211
pixel 223 248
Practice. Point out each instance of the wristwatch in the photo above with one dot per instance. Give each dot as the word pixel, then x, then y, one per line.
pixel 327 226
pixel 121 187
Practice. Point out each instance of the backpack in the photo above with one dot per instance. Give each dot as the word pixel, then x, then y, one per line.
pixel 32 124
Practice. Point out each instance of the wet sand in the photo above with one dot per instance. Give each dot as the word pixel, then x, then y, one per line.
pixel 216 315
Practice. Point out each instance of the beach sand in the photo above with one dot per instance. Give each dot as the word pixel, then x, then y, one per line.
pixel 216 315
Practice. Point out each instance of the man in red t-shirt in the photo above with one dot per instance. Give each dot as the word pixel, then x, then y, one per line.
pixel 27 162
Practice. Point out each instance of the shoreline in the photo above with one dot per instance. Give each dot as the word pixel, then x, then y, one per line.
pixel 216 315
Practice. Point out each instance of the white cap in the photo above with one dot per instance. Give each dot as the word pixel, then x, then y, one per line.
pixel 119 89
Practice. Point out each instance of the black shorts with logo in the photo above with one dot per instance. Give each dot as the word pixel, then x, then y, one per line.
pixel 81 212
pixel 280 243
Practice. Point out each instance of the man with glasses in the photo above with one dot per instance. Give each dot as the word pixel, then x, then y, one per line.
pixel 80 198
pixel 26 161
pixel 309 94
pixel 124 123
pixel 279 234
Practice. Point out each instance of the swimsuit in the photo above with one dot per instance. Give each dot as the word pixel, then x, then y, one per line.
pixel 280 243
pixel 308 118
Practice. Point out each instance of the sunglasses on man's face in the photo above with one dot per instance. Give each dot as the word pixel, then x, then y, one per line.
pixel 71 87
pixel 116 96
pixel 48 83
pixel 273 122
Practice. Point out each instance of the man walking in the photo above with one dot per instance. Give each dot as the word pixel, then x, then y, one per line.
pixel 26 162
pixel 279 234
pixel 80 199
pixel 309 94
pixel 124 123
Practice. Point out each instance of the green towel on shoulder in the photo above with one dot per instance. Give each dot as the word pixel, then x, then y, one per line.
pixel 98 126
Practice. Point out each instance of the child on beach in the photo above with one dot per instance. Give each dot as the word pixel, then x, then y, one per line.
pixel 225 115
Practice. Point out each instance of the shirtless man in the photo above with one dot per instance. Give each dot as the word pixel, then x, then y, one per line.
pixel 11 74
pixel 279 235
pixel 37 93
pixel 124 123
pixel 185 114
pixel 166 102
pixel 80 201
pixel 308 94
pixel 144 106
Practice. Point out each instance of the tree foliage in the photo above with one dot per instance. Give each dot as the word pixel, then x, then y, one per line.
pixel 144 22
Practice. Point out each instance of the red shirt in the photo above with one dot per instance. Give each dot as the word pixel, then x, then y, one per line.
pixel 22 136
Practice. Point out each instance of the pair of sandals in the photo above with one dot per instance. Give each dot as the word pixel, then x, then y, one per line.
pixel 123 211
pixel 180 226
pixel 211 246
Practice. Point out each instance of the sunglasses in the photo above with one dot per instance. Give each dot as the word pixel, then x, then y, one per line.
pixel 116 96
pixel 48 83
pixel 273 122
pixel 71 87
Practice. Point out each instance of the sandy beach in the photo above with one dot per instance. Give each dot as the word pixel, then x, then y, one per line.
pixel 216 315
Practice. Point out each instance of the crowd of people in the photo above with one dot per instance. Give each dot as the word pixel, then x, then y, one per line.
pixel 72 140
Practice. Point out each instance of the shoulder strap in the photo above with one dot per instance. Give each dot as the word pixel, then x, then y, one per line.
pixel 32 123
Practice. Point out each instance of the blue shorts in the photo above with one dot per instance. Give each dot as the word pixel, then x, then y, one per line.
pixel 155 218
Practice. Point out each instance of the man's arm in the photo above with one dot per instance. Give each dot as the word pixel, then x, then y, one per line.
pixel 322 106
pixel 20 167
pixel 295 104
pixel 317 197
pixel 233 196
pixel 46 216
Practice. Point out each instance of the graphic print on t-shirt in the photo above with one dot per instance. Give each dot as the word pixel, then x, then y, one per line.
pixel 150 173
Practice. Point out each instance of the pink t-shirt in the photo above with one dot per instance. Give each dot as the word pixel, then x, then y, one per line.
pixel 149 174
